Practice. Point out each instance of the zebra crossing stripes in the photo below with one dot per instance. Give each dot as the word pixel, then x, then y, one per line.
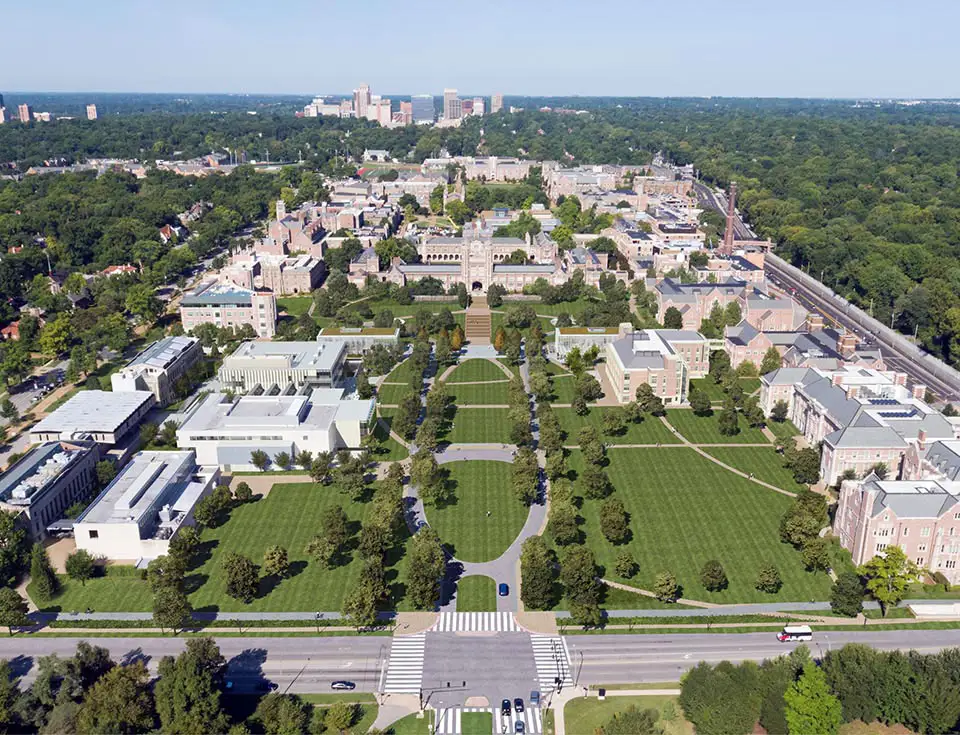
pixel 450 721
pixel 476 622
pixel 551 659
pixel 405 668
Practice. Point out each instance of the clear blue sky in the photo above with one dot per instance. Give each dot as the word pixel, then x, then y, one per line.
pixel 770 48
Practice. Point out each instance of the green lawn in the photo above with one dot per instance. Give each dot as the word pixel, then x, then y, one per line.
pixel 715 390
pixel 391 394
pixel 649 431
pixel 401 373
pixel 685 510
pixel 364 717
pixel 412 725
pixel 497 317
pixel 705 429
pixel 476 594
pixel 564 389
pixel 555 368
pixel 783 430
pixel 476 723
pixel 573 308
pixel 390 449
pixel 474 370
pixel 294 305
pixel 479 486
pixel 614 598
pixel 289 516
pixel 480 426
pixel 587 714
pixel 480 394
pixel 764 463
pixel 401 311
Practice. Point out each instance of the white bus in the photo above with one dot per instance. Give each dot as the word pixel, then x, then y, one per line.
pixel 795 633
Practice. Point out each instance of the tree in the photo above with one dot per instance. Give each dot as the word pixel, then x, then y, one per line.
pixel 320 467
pixel 340 716
pixel 846 596
pixel 889 576
pixel 771 361
pixel 281 460
pixel 13 547
pixel 806 466
pixel 713 577
pixel 753 413
pixel 142 302
pixel 323 550
pixel 427 434
pixel 13 609
pixel 700 403
pixel 119 702
pixel 810 706
pixel 166 572
pixel 427 567
pixel 719 365
pixel 9 411
pixel 563 526
pixel 804 519
pixel 360 606
pixel 243 493
pixel 242 576
pixel 779 411
pixel 500 340
pixel 205 512
pixel 259 459
pixel 43 579
pixel 148 433
pixel 184 544
pixel 578 574
pixel 106 471
pixel 537 574
pixel 171 608
pixel 666 587
pixel 591 447
pixel 727 422
pixel 595 482
pixel 632 721
pixel 732 315
pixel 672 318
pixel 769 580
pixel 625 565
pixel 284 714
pixel 168 434
pixel 188 688
pixel 649 402
pixel 816 555
pixel 80 566
pixel 614 422
pixel 275 562
pixel 614 523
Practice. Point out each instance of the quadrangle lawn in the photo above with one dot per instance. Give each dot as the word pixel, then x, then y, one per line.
pixel 476 593
pixel 294 305
pixel 715 390
pixel 480 426
pixel 479 486
pixel 649 431
pixel 470 371
pixel 685 510
pixel 563 388
pixel 289 516
pixel 390 394
pixel 764 463
pixel 479 394
pixel 706 429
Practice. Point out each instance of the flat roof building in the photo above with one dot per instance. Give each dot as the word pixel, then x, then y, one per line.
pixel 225 432
pixel 360 339
pixel 229 305
pixel 97 415
pixel 159 367
pixel 46 481
pixel 314 364
pixel 144 507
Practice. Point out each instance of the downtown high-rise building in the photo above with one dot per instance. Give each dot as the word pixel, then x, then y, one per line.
pixel 422 105
pixel 24 112
pixel 496 103
pixel 452 108
pixel 91 112
pixel 361 100
pixel 479 106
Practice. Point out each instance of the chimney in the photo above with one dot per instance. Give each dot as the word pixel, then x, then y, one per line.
pixel 281 209
pixel 727 247
pixel 847 345
pixel 814 321
pixel 837 378
pixel 919 391
pixel 625 330
pixel 922 439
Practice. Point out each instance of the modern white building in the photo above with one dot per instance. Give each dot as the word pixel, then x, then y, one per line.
pixel 47 481
pixel 144 507
pixel 359 339
pixel 158 368
pixel 314 364
pixel 101 416
pixel 226 433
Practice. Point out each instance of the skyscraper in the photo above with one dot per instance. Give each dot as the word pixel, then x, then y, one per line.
pixel 422 108
pixel 406 113
pixel 91 112
pixel 479 106
pixel 361 100
pixel 25 112
pixel 496 103
pixel 451 105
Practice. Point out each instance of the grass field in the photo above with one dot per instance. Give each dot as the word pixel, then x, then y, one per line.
pixel 649 431
pixel 294 305
pixel 412 725
pixel 563 389
pixel 586 714
pixel 783 430
pixel 480 394
pixel 289 516
pixel 401 311
pixel 479 426
pixel 705 429
pixel 715 390
pixel 479 486
pixel 764 463
pixel 391 394
pixel 391 449
pixel 685 510
pixel 476 594
pixel 364 716
pixel 476 723
pixel 613 598
pixel 401 373
pixel 470 371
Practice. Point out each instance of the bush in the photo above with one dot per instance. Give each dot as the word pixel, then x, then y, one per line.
pixel 941 579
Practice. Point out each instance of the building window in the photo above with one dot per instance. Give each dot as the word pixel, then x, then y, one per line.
pixel 906 531
pixel 881 547
pixel 950 564
pixel 919 561
pixel 94 534
pixel 922 547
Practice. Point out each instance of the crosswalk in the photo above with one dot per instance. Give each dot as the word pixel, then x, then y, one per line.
pixel 552 661
pixel 450 721
pixel 476 622
pixel 405 668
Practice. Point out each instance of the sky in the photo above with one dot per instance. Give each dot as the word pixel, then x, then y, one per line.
pixel 738 48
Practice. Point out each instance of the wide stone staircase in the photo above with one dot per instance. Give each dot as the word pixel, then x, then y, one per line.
pixel 478 321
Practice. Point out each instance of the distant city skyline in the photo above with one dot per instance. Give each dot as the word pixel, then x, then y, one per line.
pixel 742 48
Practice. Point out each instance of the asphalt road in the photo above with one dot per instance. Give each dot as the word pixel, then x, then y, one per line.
pixel 612 659
pixel 302 664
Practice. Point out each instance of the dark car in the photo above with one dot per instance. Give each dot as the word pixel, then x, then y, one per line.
pixel 343 685
pixel 518 726
pixel 504 589
pixel 505 708
pixel 518 705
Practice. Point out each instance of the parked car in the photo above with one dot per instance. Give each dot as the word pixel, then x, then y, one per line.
pixel 348 685
pixel 504 589
pixel 505 708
